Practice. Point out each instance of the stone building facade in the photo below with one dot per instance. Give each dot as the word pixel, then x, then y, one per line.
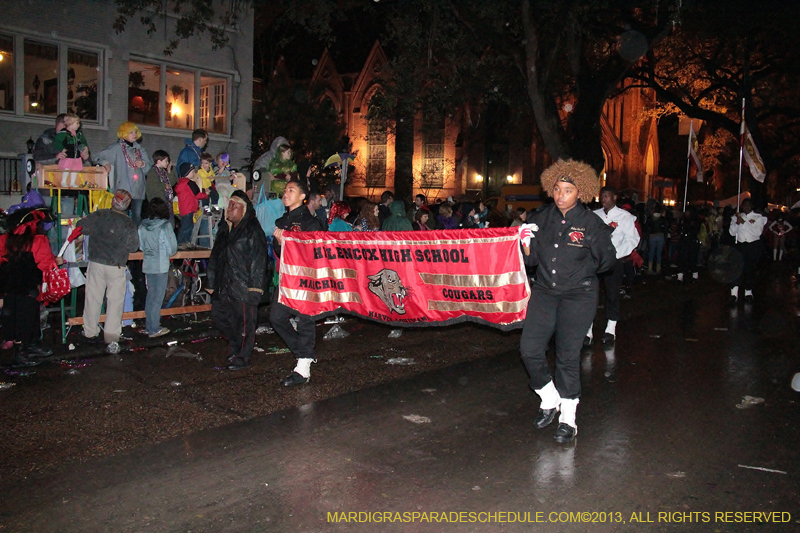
pixel 454 158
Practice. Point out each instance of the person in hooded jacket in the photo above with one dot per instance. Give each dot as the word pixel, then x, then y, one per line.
pixel 302 340
pixel 158 243
pixel 397 221
pixel 235 278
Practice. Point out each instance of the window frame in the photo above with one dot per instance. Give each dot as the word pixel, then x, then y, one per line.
pixel 199 72
pixel 63 45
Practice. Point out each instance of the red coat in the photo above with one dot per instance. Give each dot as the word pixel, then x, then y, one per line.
pixel 189 196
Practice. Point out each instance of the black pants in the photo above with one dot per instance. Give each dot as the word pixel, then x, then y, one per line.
pixel 237 323
pixel 300 342
pixel 21 318
pixel 751 254
pixel 688 250
pixel 567 315
pixel 613 282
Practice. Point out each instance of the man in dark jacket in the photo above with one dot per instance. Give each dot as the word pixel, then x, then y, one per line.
pixel 112 236
pixel 302 340
pixel 235 278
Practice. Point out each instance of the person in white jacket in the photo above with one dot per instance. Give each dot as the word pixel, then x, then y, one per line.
pixel 625 239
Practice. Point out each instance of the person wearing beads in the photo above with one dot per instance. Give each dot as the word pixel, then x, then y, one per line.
pixel 570 245
pixel 130 163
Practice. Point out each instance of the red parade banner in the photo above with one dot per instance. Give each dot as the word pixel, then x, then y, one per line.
pixel 407 278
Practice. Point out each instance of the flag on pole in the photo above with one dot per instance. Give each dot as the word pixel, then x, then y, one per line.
pixel 694 156
pixel 751 155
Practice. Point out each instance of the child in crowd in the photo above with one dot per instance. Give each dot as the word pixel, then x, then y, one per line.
pixel 74 147
pixel 160 181
pixel 445 219
pixel 223 161
pixel 189 196
pixel 158 244
pixel 206 175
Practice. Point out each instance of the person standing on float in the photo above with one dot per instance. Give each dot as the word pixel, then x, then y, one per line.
pixel 571 245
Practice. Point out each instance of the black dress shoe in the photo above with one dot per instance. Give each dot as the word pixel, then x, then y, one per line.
pixel 732 300
pixel 565 433
pixel 22 361
pixel 587 341
pixel 545 417
pixel 238 364
pixel 294 379
pixel 33 350
pixel 608 338
pixel 748 299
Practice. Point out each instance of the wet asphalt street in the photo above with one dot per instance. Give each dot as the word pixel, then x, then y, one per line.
pixel 667 441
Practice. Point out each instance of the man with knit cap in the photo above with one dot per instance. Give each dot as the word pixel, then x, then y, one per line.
pixel 235 278
pixel 112 236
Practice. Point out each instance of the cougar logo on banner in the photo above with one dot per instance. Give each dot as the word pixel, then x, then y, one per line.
pixel 388 286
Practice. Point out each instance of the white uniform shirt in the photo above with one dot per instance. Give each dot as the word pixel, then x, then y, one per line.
pixel 625 238
pixel 752 228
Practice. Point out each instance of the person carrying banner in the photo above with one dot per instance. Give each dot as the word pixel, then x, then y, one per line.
pixel 302 339
pixel 570 247
pixel 747 228
pixel 235 278
pixel 625 238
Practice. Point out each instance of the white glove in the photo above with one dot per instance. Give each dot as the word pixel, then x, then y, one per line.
pixel 526 232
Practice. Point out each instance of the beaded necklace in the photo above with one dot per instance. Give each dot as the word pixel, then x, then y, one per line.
pixel 127 156
pixel 163 175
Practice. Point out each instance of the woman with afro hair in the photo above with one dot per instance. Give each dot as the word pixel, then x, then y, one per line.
pixel 570 245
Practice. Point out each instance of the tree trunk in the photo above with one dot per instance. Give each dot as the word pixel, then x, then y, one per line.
pixel 404 153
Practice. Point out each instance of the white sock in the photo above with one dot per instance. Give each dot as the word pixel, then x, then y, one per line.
pixel 748 292
pixel 735 292
pixel 680 276
pixel 612 327
pixel 695 275
pixel 568 410
pixel 549 395
pixel 589 333
pixel 304 367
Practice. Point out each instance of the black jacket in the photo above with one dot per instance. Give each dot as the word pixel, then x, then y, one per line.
pixel 298 219
pixel 238 263
pixel 570 250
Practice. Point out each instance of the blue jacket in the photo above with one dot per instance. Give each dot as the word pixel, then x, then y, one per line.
pixel 158 243
pixel 190 154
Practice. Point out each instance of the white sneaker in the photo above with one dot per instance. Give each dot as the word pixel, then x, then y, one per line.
pixel 162 331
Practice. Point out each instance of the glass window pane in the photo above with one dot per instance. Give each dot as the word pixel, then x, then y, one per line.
pixel 214 104
pixel 179 109
pixel 41 78
pixel 143 86
pixel 83 72
pixel 6 73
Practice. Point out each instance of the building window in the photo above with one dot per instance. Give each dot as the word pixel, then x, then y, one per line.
pixel 143 94
pixel 432 175
pixel 41 78
pixel 213 104
pixel 179 109
pixel 376 141
pixel 185 105
pixel 6 73
pixel 82 82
